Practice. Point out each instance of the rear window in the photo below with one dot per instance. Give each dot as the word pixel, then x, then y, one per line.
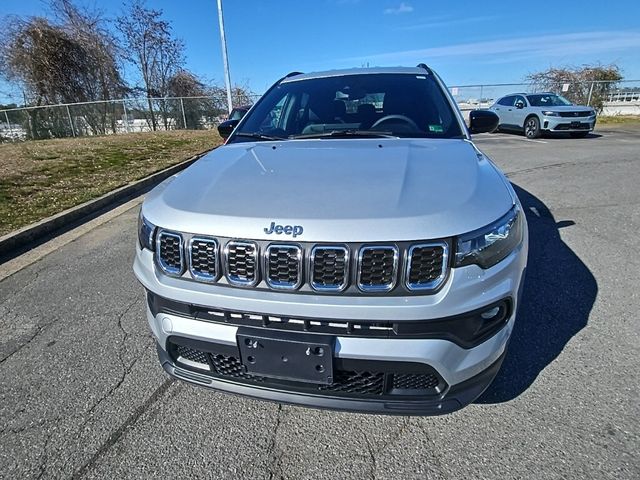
pixel 403 105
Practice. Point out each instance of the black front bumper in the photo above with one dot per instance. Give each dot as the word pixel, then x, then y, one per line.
pixel 452 399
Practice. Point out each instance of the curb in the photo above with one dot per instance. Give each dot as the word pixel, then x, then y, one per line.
pixel 50 226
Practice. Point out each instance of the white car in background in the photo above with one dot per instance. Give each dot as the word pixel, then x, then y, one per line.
pixel 535 113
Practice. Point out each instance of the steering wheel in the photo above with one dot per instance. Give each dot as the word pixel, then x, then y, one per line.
pixel 389 118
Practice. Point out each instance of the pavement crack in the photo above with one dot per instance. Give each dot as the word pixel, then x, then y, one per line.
pixel 276 458
pixel 126 368
pixel 38 330
pixel 117 435
pixel 373 452
pixel 436 457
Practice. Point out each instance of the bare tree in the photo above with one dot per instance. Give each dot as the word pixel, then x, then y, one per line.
pixel 72 60
pixel 153 50
pixel 587 84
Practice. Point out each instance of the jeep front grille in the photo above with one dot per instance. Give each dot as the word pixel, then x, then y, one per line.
pixel 378 268
pixel 329 268
pixel 399 268
pixel 241 263
pixel 203 259
pixel 283 266
pixel 170 255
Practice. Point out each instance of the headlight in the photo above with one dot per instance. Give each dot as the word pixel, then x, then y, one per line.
pixel 490 245
pixel 550 114
pixel 146 232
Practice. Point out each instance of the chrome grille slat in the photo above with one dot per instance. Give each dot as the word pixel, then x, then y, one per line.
pixel 241 263
pixel 329 268
pixel 377 268
pixel 203 259
pixel 426 265
pixel 169 253
pixel 283 266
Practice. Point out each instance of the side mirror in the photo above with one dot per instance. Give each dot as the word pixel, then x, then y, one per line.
pixel 482 121
pixel 226 128
pixel 519 105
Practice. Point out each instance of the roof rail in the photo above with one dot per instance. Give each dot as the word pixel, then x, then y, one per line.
pixel 424 67
pixel 292 74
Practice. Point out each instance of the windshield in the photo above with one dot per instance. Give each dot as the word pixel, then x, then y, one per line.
pixel 547 100
pixel 365 105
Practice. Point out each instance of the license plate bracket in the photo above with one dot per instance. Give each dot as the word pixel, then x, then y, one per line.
pixel 291 356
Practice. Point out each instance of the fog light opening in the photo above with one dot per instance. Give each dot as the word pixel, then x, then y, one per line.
pixel 492 313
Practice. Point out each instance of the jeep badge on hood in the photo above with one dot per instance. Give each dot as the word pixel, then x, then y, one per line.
pixel 294 230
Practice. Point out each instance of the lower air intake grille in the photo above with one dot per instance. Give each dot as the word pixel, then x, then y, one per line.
pixel 242 263
pixel 378 268
pixel 415 381
pixel 283 266
pixel 371 383
pixel 346 382
pixel 169 250
pixel 329 268
pixel 191 354
pixel 426 266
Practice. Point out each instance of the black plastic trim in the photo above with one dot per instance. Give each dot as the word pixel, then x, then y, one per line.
pixel 465 330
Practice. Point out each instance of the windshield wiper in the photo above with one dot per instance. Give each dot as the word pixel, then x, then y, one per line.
pixel 259 136
pixel 346 134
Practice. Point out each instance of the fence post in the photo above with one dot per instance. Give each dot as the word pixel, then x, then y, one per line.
pixel 6 117
pixel 184 119
pixel 480 99
pixel 126 116
pixel 73 130
pixel 590 93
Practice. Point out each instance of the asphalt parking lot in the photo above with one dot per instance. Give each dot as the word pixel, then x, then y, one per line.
pixel 83 396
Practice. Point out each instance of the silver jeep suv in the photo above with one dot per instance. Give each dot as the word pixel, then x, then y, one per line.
pixel 348 247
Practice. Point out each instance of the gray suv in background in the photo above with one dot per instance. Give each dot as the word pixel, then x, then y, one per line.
pixel 349 247
pixel 535 113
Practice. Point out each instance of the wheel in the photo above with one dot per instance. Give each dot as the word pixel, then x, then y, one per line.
pixel 392 118
pixel 532 127
pixel 579 134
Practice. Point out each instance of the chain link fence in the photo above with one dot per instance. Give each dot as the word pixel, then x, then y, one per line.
pixel 111 117
pixel 149 114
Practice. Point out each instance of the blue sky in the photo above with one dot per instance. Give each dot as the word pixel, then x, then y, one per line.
pixel 467 42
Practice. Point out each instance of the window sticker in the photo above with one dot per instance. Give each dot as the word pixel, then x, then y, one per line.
pixel 436 128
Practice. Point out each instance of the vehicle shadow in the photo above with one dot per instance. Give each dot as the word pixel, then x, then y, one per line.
pixel 559 292
pixel 564 136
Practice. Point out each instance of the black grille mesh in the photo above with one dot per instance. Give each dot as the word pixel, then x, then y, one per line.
pixel 204 260
pixel 344 382
pixel 415 381
pixel 192 354
pixel 426 265
pixel 169 251
pixel 329 267
pixel 283 265
pixel 371 383
pixel 377 266
pixel 241 262
pixel 575 114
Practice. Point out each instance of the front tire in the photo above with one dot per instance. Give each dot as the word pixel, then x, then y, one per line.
pixel 532 127
pixel 578 134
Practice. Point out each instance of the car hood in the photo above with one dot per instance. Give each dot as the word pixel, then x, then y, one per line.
pixel 351 190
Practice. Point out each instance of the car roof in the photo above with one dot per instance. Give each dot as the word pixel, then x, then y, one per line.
pixel 355 71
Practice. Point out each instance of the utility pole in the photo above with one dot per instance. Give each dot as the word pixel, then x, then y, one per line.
pixel 225 61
